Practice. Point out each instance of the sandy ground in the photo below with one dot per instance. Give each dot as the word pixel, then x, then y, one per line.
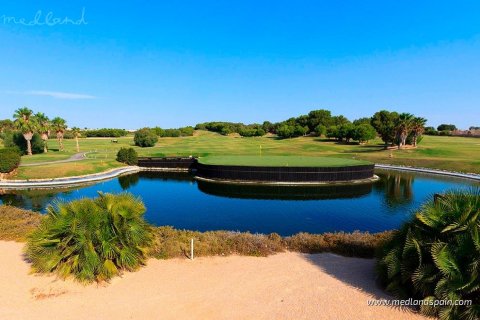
pixel 283 286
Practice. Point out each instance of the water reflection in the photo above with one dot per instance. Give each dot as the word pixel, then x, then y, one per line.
pixel 180 201
pixel 285 192
pixel 36 200
pixel 397 187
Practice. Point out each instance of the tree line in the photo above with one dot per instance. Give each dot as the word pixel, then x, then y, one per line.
pixel 29 131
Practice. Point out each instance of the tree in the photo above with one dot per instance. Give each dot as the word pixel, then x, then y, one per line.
pixel 361 121
pixel 332 132
pixel 403 125
pixel 364 132
pixel 319 117
pixel 436 256
pixel 6 125
pixel 384 123
pixel 43 128
pixel 339 120
pixel 285 131
pixel 76 134
pixel 446 127
pixel 59 125
pixel 91 239
pixel 25 122
pixel 418 126
pixel 320 130
pixel 145 138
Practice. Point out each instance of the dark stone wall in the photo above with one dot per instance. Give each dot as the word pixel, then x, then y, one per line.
pixel 285 174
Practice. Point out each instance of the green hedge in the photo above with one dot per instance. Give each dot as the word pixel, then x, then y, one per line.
pixel 9 159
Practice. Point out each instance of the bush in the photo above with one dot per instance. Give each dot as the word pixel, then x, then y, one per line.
pixel 15 139
pixel 128 156
pixel 9 159
pixel 106 133
pixel 145 138
pixel 436 256
pixel 91 239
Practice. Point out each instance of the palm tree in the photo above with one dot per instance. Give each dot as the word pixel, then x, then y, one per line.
pixel 76 134
pixel 418 126
pixel 44 129
pixel 436 255
pixel 403 126
pixel 91 239
pixel 59 125
pixel 25 122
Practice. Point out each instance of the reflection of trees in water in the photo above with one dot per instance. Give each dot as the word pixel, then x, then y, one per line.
pixel 397 188
pixel 36 200
pixel 128 181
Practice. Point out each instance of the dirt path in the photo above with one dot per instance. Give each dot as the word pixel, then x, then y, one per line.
pixel 75 157
pixel 283 286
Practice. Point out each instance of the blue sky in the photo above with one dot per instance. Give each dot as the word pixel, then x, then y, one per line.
pixel 175 63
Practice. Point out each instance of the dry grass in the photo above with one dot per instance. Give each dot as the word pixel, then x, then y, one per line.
pixel 16 224
pixel 175 243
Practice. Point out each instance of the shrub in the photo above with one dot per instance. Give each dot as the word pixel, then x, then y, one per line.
pixel 436 256
pixel 9 159
pixel 16 139
pixel 91 239
pixel 145 138
pixel 110 133
pixel 16 224
pixel 128 156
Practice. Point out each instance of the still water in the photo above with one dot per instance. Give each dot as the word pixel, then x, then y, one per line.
pixel 182 202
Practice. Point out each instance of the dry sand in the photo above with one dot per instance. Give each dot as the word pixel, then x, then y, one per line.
pixel 283 286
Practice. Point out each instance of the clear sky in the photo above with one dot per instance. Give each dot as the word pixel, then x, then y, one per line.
pixel 175 63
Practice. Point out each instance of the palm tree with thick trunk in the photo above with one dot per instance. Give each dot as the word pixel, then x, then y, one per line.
pixel 59 125
pixel 43 128
pixel 418 127
pixel 403 126
pixel 25 122
pixel 76 134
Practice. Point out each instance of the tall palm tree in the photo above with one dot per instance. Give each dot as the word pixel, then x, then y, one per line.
pixel 418 126
pixel 43 128
pixel 25 122
pixel 59 125
pixel 76 134
pixel 403 126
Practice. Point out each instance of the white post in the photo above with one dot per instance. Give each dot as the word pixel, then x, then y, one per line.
pixel 191 249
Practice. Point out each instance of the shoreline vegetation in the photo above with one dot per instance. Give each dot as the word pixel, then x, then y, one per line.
pixel 16 224
pixel 435 152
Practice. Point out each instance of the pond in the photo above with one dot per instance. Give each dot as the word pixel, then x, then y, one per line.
pixel 178 200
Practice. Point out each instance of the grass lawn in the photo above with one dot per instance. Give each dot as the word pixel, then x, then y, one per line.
pixel 280 161
pixel 449 153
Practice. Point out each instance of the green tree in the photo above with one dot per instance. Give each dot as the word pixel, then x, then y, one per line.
pixel 91 239
pixel 446 127
pixel 285 131
pixel 319 117
pixel 364 132
pixel 384 123
pixel 43 128
pixel 145 138
pixel 320 130
pixel 436 256
pixel 26 124
pixel 418 127
pixel 403 126
pixel 59 125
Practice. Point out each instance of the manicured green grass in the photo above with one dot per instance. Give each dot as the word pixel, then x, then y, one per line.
pixel 448 153
pixel 280 161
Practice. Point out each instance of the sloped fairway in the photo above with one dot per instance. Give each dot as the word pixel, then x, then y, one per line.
pixel 281 161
